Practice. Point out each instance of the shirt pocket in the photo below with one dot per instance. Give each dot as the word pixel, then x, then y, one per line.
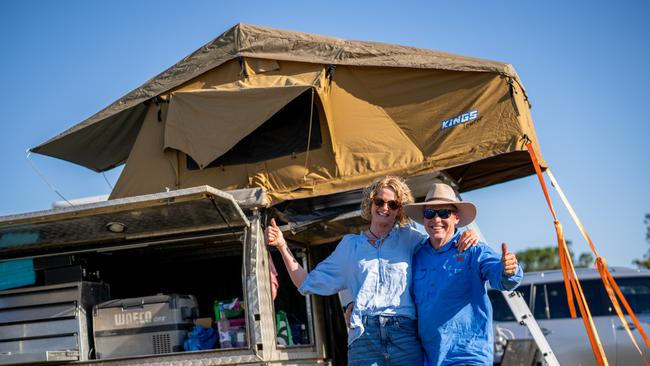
pixel 393 285
pixel 419 274
pixel 457 279
pixel 421 285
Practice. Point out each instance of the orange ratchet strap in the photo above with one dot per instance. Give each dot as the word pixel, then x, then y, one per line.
pixel 568 272
pixel 611 287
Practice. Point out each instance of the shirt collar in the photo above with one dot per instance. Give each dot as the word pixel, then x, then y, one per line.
pixel 390 234
pixel 452 243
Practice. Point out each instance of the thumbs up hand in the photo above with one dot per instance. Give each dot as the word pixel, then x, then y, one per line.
pixel 509 261
pixel 273 235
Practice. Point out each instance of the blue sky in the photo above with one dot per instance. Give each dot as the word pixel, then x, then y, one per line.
pixel 584 65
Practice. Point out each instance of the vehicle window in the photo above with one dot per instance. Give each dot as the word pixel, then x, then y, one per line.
pixel 525 293
pixel 500 310
pixel 541 306
pixel 637 293
pixel 551 301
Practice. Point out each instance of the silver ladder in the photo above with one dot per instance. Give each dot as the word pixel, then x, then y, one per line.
pixel 523 315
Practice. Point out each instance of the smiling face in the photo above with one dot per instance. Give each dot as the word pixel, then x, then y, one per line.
pixel 382 214
pixel 441 230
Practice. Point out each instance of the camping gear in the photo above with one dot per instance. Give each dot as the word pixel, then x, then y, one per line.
pixel 283 328
pixel 304 115
pixel 55 261
pixel 299 333
pixel 230 309
pixel 238 332
pixel 48 323
pixel 230 323
pixel 143 326
pixel 17 273
pixel 64 268
pixel 200 338
pixel 204 322
pixel 223 325
pixel 68 274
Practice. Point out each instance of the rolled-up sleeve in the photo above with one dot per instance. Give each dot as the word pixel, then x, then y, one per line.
pixel 492 270
pixel 329 276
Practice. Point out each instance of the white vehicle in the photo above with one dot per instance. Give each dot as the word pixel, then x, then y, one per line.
pixel 546 296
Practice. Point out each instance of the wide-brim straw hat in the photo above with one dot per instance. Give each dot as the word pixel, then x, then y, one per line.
pixel 442 194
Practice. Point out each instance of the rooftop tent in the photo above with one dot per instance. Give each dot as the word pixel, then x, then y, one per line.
pixel 304 115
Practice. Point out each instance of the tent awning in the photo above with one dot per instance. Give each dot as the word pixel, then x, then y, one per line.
pixel 97 146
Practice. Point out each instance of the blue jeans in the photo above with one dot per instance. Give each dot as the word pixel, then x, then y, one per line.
pixel 386 341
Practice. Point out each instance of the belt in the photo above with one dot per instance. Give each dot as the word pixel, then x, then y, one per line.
pixel 385 319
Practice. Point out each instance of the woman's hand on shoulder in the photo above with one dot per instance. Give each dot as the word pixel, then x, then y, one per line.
pixel 467 239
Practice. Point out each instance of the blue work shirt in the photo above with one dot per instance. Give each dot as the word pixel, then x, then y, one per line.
pixel 379 279
pixel 454 311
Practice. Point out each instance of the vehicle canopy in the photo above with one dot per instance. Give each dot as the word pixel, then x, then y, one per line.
pixel 303 115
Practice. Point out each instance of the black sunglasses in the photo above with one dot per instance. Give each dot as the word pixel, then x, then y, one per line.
pixel 393 205
pixel 443 213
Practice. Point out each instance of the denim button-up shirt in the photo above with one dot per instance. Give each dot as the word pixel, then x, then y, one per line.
pixel 454 311
pixel 378 278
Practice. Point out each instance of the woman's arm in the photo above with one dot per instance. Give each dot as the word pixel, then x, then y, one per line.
pixel 274 237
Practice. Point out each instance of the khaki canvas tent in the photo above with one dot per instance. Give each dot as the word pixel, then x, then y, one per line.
pixel 287 124
pixel 302 115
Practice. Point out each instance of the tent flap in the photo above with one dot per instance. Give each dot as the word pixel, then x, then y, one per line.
pixel 205 124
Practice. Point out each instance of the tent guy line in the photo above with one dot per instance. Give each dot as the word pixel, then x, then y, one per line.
pixel 42 176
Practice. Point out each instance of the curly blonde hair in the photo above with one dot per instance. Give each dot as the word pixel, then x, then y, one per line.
pixel 397 185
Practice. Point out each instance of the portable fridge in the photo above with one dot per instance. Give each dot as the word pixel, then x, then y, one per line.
pixel 143 326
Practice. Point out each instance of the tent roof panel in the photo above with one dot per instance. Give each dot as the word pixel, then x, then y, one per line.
pixel 242 40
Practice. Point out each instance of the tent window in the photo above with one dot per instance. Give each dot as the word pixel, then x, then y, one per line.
pixel 285 133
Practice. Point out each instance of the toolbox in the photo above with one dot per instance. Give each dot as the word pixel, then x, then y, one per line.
pixel 48 323
pixel 68 274
pixel 65 268
pixel 143 326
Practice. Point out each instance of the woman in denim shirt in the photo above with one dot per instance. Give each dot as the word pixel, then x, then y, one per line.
pixel 375 266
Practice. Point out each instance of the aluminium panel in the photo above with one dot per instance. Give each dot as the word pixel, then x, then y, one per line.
pixel 172 214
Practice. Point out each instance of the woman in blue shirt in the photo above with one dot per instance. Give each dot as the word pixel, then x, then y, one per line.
pixel 375 266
